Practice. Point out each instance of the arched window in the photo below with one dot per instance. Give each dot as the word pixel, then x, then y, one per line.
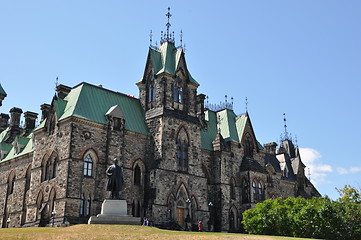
pixel 82 204
pixel 245 191
pixel 137 175
pixel 182 149
pixel 88 165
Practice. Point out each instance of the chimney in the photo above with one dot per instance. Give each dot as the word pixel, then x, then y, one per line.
pixel 15 114
pixel 45 109
pixel 62 91
pixel 4 121
pixel 30 118
pixel 271 147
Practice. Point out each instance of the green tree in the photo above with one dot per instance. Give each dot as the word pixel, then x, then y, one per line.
pixel 349 194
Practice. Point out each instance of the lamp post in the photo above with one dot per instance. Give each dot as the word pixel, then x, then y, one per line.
pixel 210 221
pixel 53 215
pixel 8 222
pixel 188 218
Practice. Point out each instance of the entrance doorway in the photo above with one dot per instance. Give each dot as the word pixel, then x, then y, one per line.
pixel 180 216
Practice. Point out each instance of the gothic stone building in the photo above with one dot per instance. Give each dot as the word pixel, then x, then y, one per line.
pixel 182 161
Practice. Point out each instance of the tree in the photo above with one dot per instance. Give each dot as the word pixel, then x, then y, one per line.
pixel 349 194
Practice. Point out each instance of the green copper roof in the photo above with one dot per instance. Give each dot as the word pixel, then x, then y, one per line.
pixel 2 91
pixel 166 60
pixel 91 102
pixel 25 143
pixel 230 125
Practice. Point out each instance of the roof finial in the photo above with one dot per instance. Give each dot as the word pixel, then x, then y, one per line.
pixel 150 37
pixel 285 126
pixel 167 37
pixel 246 102
pixel 181 38
pixel 168 23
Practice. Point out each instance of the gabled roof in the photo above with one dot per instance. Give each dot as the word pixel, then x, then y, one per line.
pixel 92 103
pixel 167 59
pixel 2 91
pixel 230 125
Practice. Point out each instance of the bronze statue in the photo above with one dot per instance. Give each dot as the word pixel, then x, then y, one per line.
pixel 115 179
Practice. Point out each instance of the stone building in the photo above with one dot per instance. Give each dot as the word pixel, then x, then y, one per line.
pixel 182 160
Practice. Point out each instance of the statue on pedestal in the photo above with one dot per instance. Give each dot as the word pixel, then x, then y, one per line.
pixel 115 179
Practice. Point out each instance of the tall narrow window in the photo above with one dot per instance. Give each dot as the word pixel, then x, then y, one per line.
pixel 137 175
pixel 11 183
pixel 248 146
pixel 88 166
pixel 82 204
pixel 151 90
pixel 182 149
pixel 245 191
pixel 178 91
pixel 88 204
pixel 259 191
pixel 54 166
pixel 232 190
pixel 254 191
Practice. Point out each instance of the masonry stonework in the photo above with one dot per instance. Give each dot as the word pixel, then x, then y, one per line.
pixel 183 161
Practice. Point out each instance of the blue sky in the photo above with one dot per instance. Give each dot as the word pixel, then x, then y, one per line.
pixel 302 58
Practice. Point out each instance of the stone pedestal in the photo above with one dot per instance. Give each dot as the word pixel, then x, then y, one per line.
pixel 114 212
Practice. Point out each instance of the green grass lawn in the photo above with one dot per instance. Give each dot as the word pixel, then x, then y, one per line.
pixel 80 232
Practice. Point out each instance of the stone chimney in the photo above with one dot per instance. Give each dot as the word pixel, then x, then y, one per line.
pixel 4 121
pixel 15 114
pixel 271 147
pixel 30 118
pixel 62 91
pixel 45 109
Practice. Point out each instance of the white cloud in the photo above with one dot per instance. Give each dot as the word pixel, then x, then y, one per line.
pixel 343 171
pixel 311 158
